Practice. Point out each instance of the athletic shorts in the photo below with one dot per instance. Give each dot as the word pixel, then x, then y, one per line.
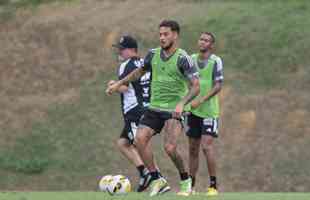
pixel 156 119
pixel 131 120
pixel 198 126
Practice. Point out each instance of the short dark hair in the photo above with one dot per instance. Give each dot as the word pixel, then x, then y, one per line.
pixel 173 25
pixel 211 35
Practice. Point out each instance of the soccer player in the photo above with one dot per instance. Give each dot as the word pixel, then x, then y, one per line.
pixel 174 84
pixel 134 99
pixel 204 119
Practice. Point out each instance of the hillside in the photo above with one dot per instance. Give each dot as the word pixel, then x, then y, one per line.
pixel 57 125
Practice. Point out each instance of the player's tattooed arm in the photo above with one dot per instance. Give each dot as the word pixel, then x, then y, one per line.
pixel 134 75
pixel 193 91
pixel 121 89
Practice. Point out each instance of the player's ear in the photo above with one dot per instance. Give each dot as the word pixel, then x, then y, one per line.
pixel 213 46
pixel 175 35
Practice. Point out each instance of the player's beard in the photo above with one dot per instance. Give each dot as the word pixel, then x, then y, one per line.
pixel 204 50
pixel 168 46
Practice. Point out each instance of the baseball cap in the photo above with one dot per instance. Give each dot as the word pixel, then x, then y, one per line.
pixel 125 42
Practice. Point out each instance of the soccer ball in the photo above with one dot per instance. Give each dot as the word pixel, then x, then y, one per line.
pixel 104 182
pixel 119 186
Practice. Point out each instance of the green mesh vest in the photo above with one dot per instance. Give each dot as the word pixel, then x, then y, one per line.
pixel 209 108
pixel 168 85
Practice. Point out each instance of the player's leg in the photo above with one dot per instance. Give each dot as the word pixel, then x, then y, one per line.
pixel 146 178
pixel 148 151
pixel 149 125
pixel 142 142
pixel 125 145
pixel 125 142
pixel 208 150
pixel 129 151
pixel 207 144
pixel 143 146
pixel 173 129
pixel 158 183
pixel 194 149
pixel 194 139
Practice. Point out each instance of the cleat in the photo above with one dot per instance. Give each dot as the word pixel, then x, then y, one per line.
pixel 212 192
pixel 185 187
pixel 144 182
pixel 164 189
pixel 159 186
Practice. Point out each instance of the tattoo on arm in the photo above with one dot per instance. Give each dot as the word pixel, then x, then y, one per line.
pixel 134 75
pixel 193 91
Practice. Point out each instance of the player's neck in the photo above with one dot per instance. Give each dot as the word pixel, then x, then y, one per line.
pixel 204 55
pixel 170 51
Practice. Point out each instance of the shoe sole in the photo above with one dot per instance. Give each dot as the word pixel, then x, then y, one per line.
pixel 184 194
pixel 212 195
pixel 164 189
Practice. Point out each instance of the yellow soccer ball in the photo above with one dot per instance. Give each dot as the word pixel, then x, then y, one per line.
pixel 104 182
pixel 119 186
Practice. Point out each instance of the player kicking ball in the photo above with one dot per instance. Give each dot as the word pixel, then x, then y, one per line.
pixel 174 84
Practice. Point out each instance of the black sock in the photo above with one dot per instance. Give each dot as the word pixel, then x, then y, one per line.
pixel 155 175
pixel 193 180
pixel 184 176
pixel 140 169
pixel 213 182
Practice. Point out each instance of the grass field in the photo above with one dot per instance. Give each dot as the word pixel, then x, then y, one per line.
pixel 135 196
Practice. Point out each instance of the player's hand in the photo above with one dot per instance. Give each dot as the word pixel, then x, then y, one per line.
pixel 195 103
pixel 178 111
pixel 112 88
pixel 111 82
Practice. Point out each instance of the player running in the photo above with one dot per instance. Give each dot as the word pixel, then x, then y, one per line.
pixel 134 99
pixel 204 119
pixel 174 84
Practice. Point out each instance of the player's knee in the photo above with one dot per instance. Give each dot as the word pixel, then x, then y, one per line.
pixel 170 148
pixel 121 144
pixel 140 140
pixel 194 150
pixel 207 148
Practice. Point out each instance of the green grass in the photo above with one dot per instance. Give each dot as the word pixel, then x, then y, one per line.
pixel 73 140
pixel 264 41
pixel 135 196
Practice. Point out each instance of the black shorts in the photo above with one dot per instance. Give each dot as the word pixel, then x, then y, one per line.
pixel 198 126
pixel 131 120
pixel 156 119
